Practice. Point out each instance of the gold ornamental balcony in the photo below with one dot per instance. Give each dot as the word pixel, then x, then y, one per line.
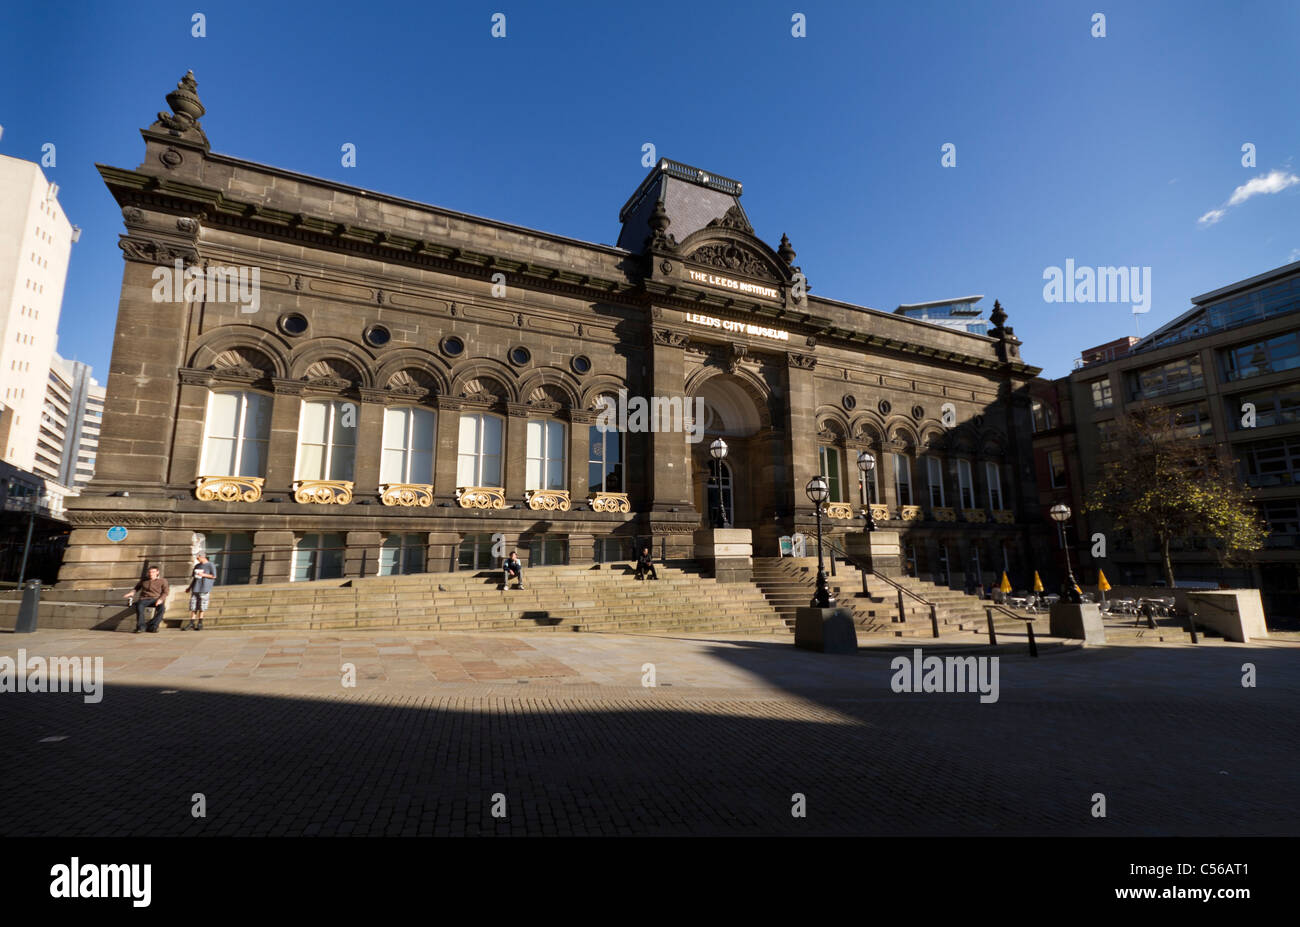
pixel 609 502
pixel 229 488
pixel 976 516
pixel 879 511
pixel 481 497
pixel 547 500
pixel 1004 516
pixel 322 492
pixel 407 494
pixel 944 513
pixel 838 510
pixel 909 512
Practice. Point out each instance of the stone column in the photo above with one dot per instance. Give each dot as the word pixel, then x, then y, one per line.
pixel 370 444
pixel 442 551
pixel 801 426
pixel 445 453
pixel 580 423
pixel 282 450
pixel 361 557
pixel 515 453
pixel 668 473
pixel 187 450
pixel 272 557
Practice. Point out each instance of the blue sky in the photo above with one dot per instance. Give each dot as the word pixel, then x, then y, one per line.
pixel 1105 151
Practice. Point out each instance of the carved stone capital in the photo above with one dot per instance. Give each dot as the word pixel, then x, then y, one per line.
pixel 152 251
pixel 802 361
pixel 671 338
pixel 287 387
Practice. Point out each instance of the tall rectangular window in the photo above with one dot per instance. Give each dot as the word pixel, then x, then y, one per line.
pixel 402 554
pixel 965 484
pixel 1056 467
pixel 604 460
pixel 236 430
pixel 872 485
pixel 327 440
pixel 318 556
pixel 1101 394
pixel 934 467
pixel 232 555
pixel 993 476
pixel 545 455
pixel 902 478
pixel 408 446
pixel 478 460
pixel 828 459
pixel 476 552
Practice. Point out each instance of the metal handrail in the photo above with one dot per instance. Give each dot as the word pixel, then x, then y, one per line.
pixel 993 634
pixel 898 587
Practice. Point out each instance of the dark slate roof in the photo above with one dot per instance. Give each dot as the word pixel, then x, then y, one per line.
pixel 692 197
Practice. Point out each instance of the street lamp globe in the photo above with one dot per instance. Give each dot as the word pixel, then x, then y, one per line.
pixel 718 449
pixel 1060 512
pixel 866 462
pixel 817 490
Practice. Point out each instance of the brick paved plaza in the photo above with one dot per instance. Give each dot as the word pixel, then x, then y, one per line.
pixel 563 727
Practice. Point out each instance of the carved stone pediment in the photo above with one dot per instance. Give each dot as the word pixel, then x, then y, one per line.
pixel 734 218
pixel 732 256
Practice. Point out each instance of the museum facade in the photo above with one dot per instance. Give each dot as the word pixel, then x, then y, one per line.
pixel 312 380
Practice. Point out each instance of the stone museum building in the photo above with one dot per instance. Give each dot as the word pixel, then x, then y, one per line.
pixel 313 380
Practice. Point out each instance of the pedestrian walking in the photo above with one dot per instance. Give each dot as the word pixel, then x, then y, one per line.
pixel 202 578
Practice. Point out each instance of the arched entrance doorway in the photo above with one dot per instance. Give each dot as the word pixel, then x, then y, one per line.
pixel 731 412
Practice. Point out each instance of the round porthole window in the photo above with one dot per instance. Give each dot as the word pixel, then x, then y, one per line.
pixel 520 356
pixel 884 406
pixel 293 323
pixel 850 403
pixel 453 346
pixel 581 364
pixel 377 336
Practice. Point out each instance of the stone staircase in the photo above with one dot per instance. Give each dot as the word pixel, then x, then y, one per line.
pixel 789 583
pixel 561 598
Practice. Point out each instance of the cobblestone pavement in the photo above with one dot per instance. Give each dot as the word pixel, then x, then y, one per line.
pixel 562 727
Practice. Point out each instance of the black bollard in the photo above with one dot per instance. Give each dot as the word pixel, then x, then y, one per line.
pixel 1033 645
pixel 1191 623
pixel 26 622
pixel 993 635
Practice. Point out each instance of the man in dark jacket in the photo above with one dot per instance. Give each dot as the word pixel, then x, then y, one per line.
pixel 510 567
pixel 153 594
pixel 645 564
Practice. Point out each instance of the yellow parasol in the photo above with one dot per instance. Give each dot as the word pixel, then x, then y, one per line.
pixel 1006 583
pixel 1102 586
pixel 1038 583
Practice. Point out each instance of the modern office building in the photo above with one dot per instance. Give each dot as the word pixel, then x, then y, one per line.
pixel 69 437
pixel 35 244
pixel 960 313
pixel 313 380
pixel 1230 369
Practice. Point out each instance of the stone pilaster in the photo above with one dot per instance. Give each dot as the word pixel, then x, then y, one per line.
pixel 282 448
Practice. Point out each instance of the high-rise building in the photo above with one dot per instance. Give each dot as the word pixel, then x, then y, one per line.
pixel 69 437
pixel 35 244
pixel 960 313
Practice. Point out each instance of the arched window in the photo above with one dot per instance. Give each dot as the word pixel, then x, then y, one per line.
pixel 236 430
pixel 546 455
pixel 409 438
pixel 479 454
pixel 327 440
pixel 902 478
pixel 604 459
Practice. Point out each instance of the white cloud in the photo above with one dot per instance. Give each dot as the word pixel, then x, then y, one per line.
pixel 1272 182
pixel 1294 256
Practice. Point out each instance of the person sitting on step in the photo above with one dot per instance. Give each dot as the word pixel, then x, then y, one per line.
pixel 644 565
pixel 153 594
pixel 509 566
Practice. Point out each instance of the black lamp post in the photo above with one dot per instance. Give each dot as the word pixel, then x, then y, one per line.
pixel 867 463
pixel 1061 514
pixel 718 451
pixel 818 492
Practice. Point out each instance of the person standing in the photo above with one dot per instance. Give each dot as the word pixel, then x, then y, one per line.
pixel 153 594
pixel 512 566
pixel 203 576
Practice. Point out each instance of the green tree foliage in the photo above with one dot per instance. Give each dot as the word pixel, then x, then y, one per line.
pixel 1164 482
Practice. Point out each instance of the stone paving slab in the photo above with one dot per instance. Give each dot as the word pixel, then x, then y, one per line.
pixel 562 727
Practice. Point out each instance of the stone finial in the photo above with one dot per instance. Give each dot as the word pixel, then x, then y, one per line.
pixel 998 315
pixel 187 110
pixel 659 219
pixel 786 251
